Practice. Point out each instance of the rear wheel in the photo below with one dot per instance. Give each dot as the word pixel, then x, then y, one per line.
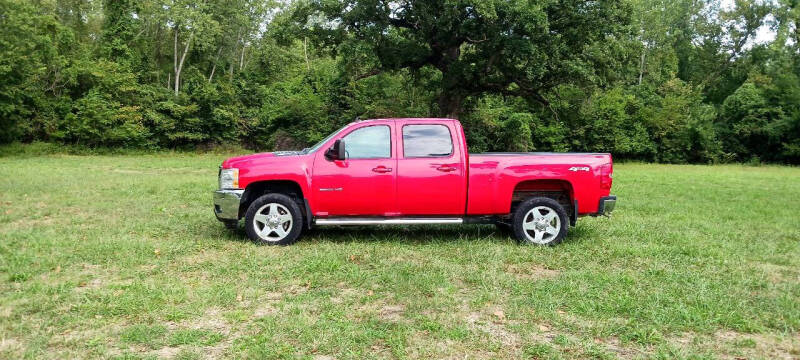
pixel 540 221
pixel 273 219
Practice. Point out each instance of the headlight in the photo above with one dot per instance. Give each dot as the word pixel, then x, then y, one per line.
pixel 229 178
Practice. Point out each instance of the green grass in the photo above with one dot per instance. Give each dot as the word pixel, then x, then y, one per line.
pixel 121 257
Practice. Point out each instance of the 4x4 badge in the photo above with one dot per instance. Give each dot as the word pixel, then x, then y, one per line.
pixel 579 168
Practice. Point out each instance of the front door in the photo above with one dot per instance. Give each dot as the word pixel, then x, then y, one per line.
pixel 431 176
pixel 364 183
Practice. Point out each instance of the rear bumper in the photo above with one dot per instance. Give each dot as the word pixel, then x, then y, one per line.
pixel 226 204
pixel 606 205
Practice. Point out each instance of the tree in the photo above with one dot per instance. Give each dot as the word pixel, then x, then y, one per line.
pixel 192 24
pixel 119 29
pixel 32 64
pixel 517 47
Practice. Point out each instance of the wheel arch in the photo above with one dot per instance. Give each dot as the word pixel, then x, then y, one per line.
pixel 286 187
pixel 560 190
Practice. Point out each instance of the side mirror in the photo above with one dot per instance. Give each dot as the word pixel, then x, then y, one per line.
pixel 337 151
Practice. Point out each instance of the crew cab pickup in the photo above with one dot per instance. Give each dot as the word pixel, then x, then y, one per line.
pixel 410 171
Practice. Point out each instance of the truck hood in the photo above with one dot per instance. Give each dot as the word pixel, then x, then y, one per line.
pixel 260 158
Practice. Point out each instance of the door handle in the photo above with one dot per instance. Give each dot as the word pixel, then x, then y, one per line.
pixel 382 169
pixel 446 168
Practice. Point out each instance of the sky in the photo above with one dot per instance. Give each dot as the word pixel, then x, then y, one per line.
pixel 764 34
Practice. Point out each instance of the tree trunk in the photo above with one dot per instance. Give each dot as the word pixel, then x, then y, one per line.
pixel 305 53
pixel 211 76
pixel 175 54
pixel 179 64
pixel 241 59
pixel 641 67
pixel 233 54
pixel 450 104
pixel 214 67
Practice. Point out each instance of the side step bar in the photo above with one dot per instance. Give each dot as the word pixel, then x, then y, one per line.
pixel 386 221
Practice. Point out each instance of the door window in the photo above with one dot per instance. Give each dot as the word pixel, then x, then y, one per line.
pixel 371 142
pixel 420 141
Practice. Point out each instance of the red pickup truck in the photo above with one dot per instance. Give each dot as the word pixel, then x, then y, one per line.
pixel 410 171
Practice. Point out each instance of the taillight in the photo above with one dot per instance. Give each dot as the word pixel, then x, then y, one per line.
pixel 606 176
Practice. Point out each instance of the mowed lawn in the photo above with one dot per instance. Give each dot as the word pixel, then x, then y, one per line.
pixel 121 257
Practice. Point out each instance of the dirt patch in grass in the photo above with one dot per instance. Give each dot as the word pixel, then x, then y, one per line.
pixel 728 344
pixel 759 345
pixel 615 346
pixel 531 271
pixel 777 274
pixel 167 352
pixel 44 215
pixel 491 322
pixel 323 357
pixel 9 345
pixel 5 311
pixel 76 338
pixel 211 319
pixel 93 277
pixel 392 313
pixel 344 294
pixel 420 346
pixel 406 259
pixel 29 222
pixel 89 285
pixel 264 308
pixel 203 256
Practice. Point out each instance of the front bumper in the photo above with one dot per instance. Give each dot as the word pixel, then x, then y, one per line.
pixel 226 204
pixel 607 205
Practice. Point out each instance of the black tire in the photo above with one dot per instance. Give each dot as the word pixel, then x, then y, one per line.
pixel 295 229
pixel 231 224
pixel 528 236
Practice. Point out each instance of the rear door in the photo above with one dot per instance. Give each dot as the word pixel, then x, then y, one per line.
pixel 364 183
pixel 430 169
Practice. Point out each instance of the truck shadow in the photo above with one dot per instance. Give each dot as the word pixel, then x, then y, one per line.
pixel 416 235
pixel 423 234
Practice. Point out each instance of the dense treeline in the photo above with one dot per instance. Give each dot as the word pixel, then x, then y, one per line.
pixel 656 80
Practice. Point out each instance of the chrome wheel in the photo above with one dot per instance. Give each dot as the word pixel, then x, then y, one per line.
pixel 541 225
pixel 272 222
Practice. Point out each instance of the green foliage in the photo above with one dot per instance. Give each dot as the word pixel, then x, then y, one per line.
pixel 681 126
pixel 497 125
pixel 754 126
pixel 677 82
pixel 478 47
pixel 668 124
pixel 107 113
pixel 30 63
pixel 610 125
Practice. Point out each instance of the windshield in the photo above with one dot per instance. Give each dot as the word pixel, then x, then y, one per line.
pixel 322 142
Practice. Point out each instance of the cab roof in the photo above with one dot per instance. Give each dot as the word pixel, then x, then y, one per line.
pixel 407 119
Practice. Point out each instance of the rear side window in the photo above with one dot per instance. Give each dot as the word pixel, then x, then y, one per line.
pixel 371 142
pixel 427 141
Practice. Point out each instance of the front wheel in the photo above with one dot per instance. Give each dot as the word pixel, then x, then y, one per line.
pixel 273 219
pixel 540 221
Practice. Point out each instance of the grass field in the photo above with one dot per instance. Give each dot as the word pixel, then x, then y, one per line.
pixel 120 256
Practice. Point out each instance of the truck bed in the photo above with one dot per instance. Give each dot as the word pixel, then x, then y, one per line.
pixel 534 153
pixel 495 177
